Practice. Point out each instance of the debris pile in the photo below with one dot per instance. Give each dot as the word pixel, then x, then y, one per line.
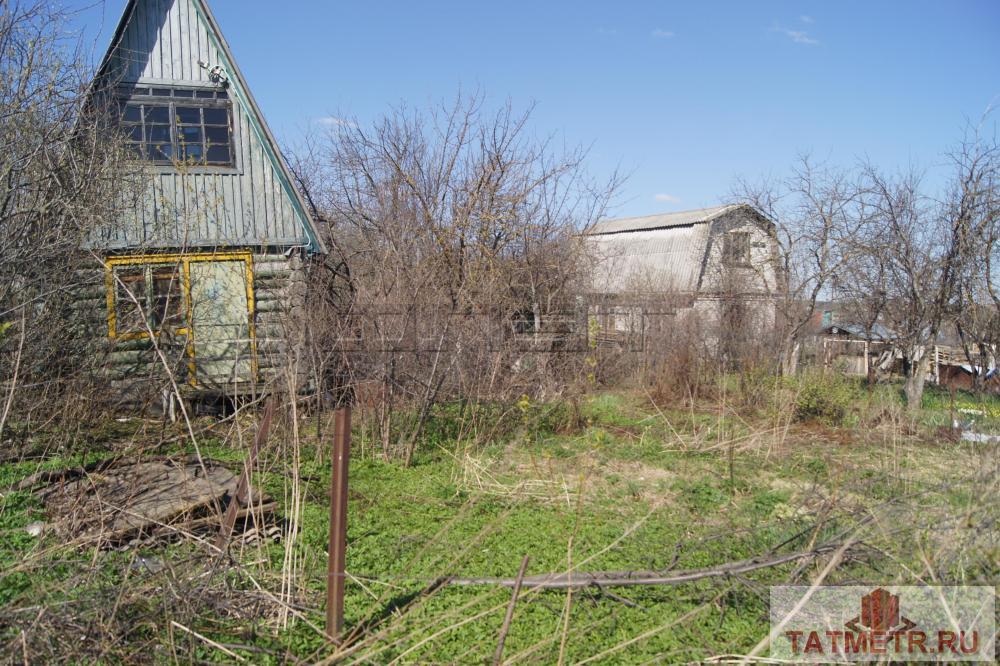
pixel 121 501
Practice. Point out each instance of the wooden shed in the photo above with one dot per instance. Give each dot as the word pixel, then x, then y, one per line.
pixel 204 269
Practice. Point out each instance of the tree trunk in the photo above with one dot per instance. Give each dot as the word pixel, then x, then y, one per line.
pixel 790 357
pixel 916 375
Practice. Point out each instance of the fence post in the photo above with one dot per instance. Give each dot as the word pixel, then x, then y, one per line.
pixel 338 523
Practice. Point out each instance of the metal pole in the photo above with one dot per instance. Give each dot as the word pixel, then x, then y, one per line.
pixel 338 523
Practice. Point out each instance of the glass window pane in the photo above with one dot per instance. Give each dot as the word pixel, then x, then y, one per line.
pixel 162 128
pixel 166 306
pixel 217 134
pixel 161 152
pixel 218 155
pixel 215 116
pixel 137 149
pixel 157 114
pixel 158 134
pixel 132 113
pixel 192 151
pixel 189 134
pixel 130 299
pixel 188 115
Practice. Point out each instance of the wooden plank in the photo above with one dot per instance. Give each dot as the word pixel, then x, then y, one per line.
pixel 241 497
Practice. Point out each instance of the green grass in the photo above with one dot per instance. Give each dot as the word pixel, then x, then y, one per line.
pixel 939 408
pixel 615 484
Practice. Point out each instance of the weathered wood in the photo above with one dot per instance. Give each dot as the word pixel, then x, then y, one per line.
pixel 247 204
pixel 116 500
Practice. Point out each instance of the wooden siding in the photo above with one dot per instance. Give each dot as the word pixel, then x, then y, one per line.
pixel 250 205
pixel 132 365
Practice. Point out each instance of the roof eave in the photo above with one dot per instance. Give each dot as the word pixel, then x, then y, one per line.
pixel 316 244
pixel 315 241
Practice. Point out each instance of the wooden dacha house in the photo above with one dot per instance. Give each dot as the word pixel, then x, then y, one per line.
pixel 206 263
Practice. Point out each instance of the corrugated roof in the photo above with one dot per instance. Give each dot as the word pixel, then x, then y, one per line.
pixel 663 221
pixel 658 259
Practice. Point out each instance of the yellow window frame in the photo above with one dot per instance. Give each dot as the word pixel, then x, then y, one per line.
pixel 185 261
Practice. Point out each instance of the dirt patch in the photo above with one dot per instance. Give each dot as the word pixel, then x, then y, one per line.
pixel 642 473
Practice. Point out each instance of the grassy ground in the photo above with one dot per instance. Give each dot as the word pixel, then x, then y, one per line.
pixel 618 483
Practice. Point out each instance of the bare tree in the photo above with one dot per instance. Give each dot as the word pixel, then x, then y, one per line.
pixel 60 176
pixel 975 200
pixel 817 210
pixel 457 230
pixel 918 261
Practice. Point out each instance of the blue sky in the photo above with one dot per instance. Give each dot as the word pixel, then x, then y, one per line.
pixel 683 96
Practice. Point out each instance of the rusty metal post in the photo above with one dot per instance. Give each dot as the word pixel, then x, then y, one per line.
pixel 338 523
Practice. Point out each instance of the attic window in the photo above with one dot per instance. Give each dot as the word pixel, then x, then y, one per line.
pixel 178 125
pixel 736 248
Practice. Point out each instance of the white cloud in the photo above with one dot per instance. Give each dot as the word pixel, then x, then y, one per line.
pixel 797 36
pixel 333 121
pixel 660 33
pixel 607 32
pixel 807 19
pixel 667 198
pixel 801 37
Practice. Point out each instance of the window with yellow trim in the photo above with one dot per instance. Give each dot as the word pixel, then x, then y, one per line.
pixel 147 297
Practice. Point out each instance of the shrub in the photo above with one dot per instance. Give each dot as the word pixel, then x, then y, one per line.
pixel 682 367
pixel 757 384
pixel 824 397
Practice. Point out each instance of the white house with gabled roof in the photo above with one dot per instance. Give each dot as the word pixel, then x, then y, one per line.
pixel 691 261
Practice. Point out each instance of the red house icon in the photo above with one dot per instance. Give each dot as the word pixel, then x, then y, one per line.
pixel 880 610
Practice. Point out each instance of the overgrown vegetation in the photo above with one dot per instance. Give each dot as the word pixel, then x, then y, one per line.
pixel 492 423
pixel 62 173
pixel 626 485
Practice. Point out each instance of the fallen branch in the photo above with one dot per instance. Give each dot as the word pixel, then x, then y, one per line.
pixel 562 581
pixel 208 641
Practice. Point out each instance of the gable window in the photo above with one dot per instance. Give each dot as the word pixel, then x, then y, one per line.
pixel 172 125
pixel 736 248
